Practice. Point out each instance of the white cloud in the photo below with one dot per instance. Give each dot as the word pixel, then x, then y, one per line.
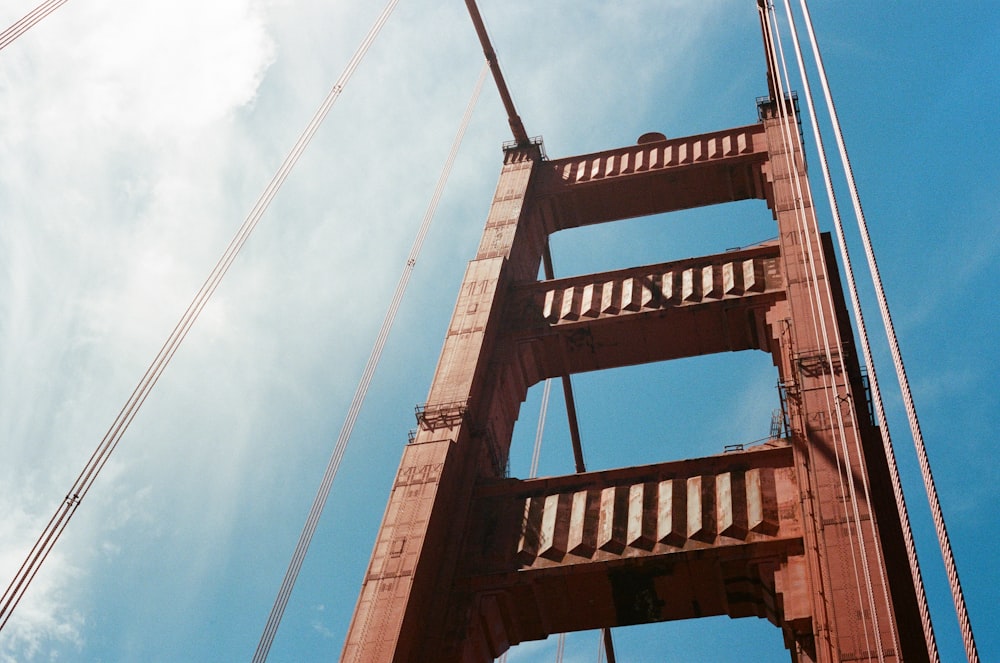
pixel 156 70
pixel 116 116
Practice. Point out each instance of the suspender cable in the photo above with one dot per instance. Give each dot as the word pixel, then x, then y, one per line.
pixel 944 541
pixel 880 561
pixel 877 545
pixel 536 452
pixel 309 529
pixel 561 648
pixel 53 530
pixel 790 137
pixel 904 518
pixel 28 21
pixel 516 126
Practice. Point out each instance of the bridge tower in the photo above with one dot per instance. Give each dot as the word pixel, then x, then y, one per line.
pixel 801 530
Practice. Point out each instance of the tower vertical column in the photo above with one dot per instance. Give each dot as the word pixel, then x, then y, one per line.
pixel 401 613
pixel 844 587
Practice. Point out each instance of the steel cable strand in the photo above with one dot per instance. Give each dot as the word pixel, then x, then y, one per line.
pixel 312 521
pixel 944 541
pixel 819 293
pixel 815 298
pixel 859 316
pixel 81 486
pixel 84 481
pixel 869 362
pixel 29 568
pixel 533 473
pixel 368 373
pixel 537 449
pixel 801 221
pixel 28 21
pixel 560 648
pixel 194 310
pixel 101 455
pixel 24 23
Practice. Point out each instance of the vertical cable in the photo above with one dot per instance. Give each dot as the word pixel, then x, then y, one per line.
pixel 57 524
pixel 827 292
pixel 560 648
pixel 309 529
pixel 28 21
pixel 890 454
pixel 944 542
pixel 879 558
pixel 536 451
pixel 790 138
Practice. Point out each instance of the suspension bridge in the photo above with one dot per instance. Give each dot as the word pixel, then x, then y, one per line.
pixel 364 296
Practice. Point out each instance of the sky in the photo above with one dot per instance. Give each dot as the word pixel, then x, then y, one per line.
pixel 135 138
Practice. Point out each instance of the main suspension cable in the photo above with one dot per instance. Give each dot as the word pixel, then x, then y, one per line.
pixel 877 403
pixel 309 529
pixel 944 542
pixel 57 524
pixel 28 21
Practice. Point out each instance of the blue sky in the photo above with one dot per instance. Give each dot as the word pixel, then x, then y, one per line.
pixel 136 137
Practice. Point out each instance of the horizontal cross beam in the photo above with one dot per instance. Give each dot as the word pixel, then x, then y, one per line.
pixel 653 543
pixel 632 316
pixel 652 178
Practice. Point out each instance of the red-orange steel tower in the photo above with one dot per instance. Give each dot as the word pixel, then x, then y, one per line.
pixel 802 530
